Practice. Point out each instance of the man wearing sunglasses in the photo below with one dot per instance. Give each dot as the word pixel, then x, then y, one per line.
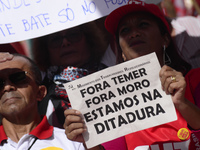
pixel 22 126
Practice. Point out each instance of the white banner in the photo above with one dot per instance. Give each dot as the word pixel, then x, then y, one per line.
pixel 121 99
pixel 26 19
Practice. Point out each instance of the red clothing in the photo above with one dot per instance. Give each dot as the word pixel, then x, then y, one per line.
pixel 193 80
pixel 164 137
pixel 42 137
pixel 43 131
pixel 21 47
pixel 17 47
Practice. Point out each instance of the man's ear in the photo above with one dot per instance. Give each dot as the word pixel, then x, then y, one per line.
pixel 41 92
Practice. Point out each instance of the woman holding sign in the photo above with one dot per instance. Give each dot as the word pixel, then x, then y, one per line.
pixel 140 29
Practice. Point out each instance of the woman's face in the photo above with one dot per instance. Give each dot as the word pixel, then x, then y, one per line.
pixel 68 48
pixel 139 35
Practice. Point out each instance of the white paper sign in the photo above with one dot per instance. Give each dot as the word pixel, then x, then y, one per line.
pixel 121 99
pixel 26 19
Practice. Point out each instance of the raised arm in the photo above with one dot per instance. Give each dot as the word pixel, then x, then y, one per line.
pixel 173 83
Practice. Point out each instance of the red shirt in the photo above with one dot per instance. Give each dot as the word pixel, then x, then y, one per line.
pixel 165 137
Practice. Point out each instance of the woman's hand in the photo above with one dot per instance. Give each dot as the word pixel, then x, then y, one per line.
pixel 4 56
pixel 74 125
pixel 173 82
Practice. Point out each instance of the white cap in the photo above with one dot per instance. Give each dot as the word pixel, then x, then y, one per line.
pixel 152 1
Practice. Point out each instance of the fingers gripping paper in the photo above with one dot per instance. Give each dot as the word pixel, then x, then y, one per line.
pixel 121 99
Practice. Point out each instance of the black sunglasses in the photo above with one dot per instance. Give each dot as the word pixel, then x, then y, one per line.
pixel 55 40
pixel 15 78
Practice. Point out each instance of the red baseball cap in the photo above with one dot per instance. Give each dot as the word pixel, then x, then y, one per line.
pixel 113 19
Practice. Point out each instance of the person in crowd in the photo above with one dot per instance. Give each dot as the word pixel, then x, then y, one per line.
pixel 10 48
pixel 186 34
pixel 65 56
pixel 22 126
pixel 140 29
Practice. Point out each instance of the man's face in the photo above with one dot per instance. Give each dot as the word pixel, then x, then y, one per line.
pixel 18 89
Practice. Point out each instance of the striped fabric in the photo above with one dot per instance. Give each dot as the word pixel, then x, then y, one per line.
pixel 187 31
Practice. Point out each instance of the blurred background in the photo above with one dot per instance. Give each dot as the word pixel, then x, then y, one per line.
pixel 178 8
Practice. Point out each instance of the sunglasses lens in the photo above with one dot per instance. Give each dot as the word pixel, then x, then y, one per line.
pixel 1 83
pixel 17 77
pixel 75 36
pixel 55 41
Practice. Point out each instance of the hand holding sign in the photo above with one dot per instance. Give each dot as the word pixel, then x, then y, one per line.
pixel 120 100
pixel 173 83
pixel 74 125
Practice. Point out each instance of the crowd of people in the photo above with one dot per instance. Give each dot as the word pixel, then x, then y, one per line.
pixel 34 106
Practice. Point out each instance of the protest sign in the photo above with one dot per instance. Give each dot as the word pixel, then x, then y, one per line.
pixel 121 99
pixel 26 19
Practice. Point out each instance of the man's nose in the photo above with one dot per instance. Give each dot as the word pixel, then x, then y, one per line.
pixel 8 86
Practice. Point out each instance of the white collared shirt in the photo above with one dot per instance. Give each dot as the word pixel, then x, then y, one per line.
pixel 48 138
